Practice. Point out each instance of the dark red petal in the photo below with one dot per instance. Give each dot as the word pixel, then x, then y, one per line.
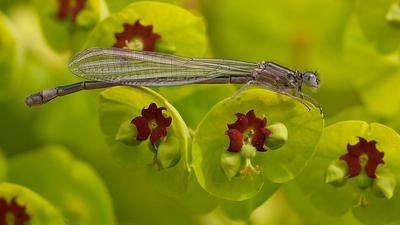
pixel 355 150
pixel 138 31
pixel 157 133
pixel 20 216
pixel 142 126
pixel 266 131
pixel 63 7
pixel 241 124
pixel 235 140
pixel 3 210
pixel 370 168
pixel 352 163
pixel 258 139
pixel 251 116
pixel 151 112
pixel 163 121
pixel 78 5
pixel 70 8
pixel 18 212
pixel 375 158
pixel 254 121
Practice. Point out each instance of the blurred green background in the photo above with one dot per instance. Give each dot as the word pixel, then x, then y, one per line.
pixel 352 44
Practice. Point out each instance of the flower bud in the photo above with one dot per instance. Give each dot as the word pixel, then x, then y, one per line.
pixel 168 153
pixel 336 173
pixel 127 133
pixel 384 185
pixel 278 137
pixel 231 163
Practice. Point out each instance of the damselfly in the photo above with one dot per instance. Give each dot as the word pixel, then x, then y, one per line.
pixel 106 67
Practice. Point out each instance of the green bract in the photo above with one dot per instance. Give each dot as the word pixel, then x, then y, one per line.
pixel 167 168
pixel 278 166
pixel 380 195
pixel 40 211
pixel 69 184
pixel 177 27
pixel 63 32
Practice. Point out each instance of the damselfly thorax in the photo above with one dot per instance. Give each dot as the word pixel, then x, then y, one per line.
pixel 106 67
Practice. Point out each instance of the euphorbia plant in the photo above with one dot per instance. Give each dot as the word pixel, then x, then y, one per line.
pixel 355 167
pixel 149 26
pixel 270 141
pixel 145 131
pixel 21 206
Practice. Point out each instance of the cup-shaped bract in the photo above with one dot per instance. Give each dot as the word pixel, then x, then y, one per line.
pixel 68 183
pixel 277 166
pixel 370 190
pixel 23 206
pixel 164 159
pixel 67 23
pixel 152 26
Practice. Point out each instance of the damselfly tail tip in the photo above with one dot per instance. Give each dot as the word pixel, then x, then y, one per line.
pixel 40 98
pixel 33 100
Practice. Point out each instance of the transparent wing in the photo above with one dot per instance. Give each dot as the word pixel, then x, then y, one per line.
pixel 129 67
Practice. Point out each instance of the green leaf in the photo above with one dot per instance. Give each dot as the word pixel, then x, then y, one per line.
pixel 120 104
pixel 63 33
pixel 40 211
pixel 183 30
pixel 304 128
pixel 69 184
pixel 337 201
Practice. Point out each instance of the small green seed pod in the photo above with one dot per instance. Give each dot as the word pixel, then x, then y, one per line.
pixel 231 163
pixel 384 185
pixel 337 173
pixel 127 134
pixel 278 137
pixel 168 153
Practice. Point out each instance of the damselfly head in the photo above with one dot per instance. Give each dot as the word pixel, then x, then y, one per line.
pixel 311 79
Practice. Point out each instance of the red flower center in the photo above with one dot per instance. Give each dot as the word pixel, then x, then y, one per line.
pixel 152 123
pixel 247 128
pixel 363 155
pixel 70 8
pixel 12 214
pixel 137 37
